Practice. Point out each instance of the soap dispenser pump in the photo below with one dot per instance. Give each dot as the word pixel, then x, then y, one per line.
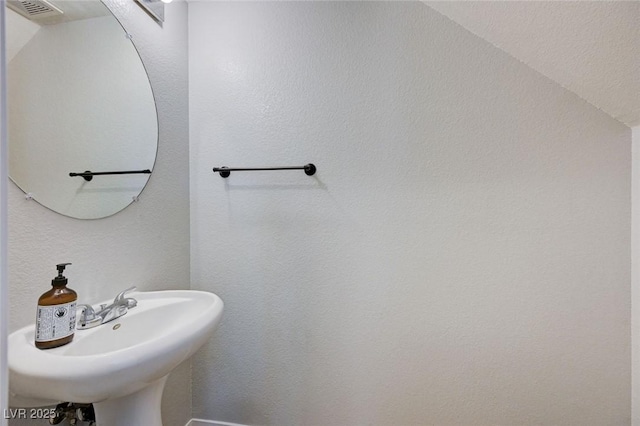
pixel 56 315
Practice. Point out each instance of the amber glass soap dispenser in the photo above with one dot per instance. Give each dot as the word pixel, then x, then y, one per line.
pixel 56 316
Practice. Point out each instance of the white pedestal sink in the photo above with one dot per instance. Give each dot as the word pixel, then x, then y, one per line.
pixel 121 366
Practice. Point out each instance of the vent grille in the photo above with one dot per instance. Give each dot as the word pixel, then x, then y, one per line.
pixel 34 9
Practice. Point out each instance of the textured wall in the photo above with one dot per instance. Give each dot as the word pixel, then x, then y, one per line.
pixel 21 32
pixel 635 278
pixel 462 255
pixel 4 172
pixel 147 244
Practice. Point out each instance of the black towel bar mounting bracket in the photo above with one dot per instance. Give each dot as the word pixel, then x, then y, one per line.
pixel 309 169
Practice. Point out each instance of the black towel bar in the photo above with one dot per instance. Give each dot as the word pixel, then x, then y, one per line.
pixel 88 174
pixel 309 169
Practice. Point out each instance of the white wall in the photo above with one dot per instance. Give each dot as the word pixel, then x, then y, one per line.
pixel 635 274
pixel 147 244
pixel 4 292
pixel 462 255
pixel 22 30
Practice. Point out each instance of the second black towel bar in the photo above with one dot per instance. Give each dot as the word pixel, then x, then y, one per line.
pixel 88 175
pixel 309 169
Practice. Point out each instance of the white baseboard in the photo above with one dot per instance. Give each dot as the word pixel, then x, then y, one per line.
pixel 201 422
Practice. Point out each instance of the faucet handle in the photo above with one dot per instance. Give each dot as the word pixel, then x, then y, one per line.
pixel 87 312
pixel 120 296
pixel 88 317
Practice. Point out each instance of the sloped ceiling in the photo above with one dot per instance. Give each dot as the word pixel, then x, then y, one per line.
pixel 20 29
pixel 590 47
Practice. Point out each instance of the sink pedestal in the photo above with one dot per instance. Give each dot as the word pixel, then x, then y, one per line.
pixel 139 408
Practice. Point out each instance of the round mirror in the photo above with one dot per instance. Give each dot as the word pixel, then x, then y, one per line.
pixel 79 101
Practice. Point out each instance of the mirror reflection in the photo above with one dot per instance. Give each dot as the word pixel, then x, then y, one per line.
pixel 79 100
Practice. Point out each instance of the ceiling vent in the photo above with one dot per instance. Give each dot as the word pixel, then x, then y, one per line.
pixel 34 9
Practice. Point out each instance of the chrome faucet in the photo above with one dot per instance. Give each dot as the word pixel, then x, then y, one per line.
pixel 89 318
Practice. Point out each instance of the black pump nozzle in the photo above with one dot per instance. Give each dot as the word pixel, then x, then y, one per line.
pixel 60 279
pixel 61 267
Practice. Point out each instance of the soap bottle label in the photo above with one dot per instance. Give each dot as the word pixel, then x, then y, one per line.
pixel 55 322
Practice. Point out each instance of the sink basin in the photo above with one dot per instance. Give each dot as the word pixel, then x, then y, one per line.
pixel 120 366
